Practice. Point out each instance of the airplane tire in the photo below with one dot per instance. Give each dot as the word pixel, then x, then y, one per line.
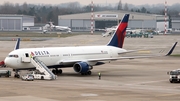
pixel 54 71
pixel 171 81
pixel 42 77
pixel 17 76
pixel 89 72
pixel 60 71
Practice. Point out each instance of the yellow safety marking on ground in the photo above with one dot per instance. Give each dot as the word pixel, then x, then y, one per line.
pixel 83 42
pixel 144 51
pixel 86 41
pixel 26 39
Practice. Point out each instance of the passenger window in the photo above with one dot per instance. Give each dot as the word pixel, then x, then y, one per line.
pixel 27 55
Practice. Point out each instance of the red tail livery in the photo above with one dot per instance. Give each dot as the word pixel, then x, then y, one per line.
pixel 118 37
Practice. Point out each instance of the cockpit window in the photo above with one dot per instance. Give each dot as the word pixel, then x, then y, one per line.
pixel 16 56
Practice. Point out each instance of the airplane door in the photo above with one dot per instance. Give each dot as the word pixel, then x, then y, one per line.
pixel 110 53
pixel 26 57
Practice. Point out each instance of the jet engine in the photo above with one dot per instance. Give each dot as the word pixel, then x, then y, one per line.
pixel 82 67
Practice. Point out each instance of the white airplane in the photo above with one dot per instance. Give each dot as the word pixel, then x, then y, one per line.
pixel 113 28
pixel 109 31
pixel 81 58
pixel 63 28
pixel 50 26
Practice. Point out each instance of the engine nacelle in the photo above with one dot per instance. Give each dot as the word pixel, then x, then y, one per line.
pixel 81 67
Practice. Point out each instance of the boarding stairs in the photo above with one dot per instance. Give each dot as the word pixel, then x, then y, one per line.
pixel 42 67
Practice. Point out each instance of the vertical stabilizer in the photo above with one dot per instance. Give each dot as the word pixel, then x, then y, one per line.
pixel 117 39
pixel 17 44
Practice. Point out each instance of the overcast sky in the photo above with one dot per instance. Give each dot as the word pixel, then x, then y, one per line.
pixel 85 2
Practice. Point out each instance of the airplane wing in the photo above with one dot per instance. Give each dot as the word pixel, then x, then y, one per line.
pixel 105 59
pixel 119 58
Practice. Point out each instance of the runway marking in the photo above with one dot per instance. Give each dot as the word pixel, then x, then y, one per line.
pixel 90 95
pixel 94 100
pixel 25 98
pixel 83 42
pixel 145 51
pixel 147 82
pixel 104 85
pixel 163 95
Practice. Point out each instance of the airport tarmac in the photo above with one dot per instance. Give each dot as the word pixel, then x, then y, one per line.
pixel 123 80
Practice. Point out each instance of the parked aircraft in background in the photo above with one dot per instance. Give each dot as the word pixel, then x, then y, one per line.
pixel 113 28
pixel 109 31
pixel 81 59
pixel 50 27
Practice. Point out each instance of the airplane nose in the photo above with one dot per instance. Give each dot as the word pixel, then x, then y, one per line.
pixel 7 62
pixel 11 62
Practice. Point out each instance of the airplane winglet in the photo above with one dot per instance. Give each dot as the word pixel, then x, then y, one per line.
pixel 17 44
pixel 172 49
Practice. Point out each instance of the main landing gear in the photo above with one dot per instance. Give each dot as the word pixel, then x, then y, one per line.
pixel 57 71
pixel 87 73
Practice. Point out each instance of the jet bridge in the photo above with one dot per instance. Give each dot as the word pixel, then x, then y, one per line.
pixel 42 68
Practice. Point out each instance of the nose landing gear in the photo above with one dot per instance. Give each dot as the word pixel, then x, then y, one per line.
pixel 16 74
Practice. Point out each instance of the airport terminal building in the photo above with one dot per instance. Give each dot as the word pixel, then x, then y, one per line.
pixel 104 19
pixel 10 22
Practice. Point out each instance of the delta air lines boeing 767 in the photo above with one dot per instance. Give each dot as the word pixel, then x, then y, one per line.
pixel 81 58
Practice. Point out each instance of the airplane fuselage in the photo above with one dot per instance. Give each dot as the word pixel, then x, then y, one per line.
pixel 60 56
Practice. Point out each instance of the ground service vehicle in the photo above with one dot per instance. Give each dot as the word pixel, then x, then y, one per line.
pixel 174 76
pixel 5 73
pixel 2 64
pixel 27 77
pixel 40 76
